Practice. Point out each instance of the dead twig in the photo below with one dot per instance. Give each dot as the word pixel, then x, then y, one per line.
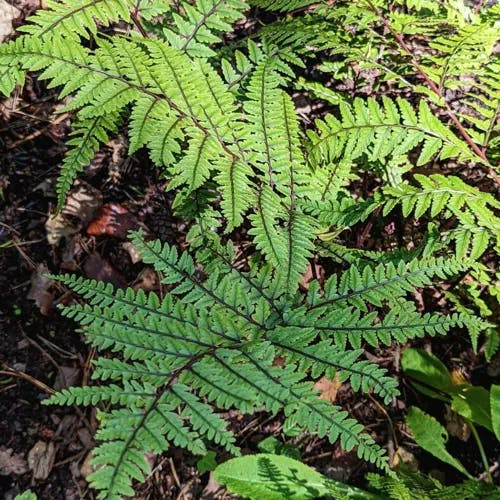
pixel 12 372
pixel 39 132
pixel 176 478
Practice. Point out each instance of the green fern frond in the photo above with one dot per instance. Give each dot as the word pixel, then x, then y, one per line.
pixel 214 339
pixel 77 18
pixel 463 53
pixel 217 338
pixel 378 131
pixel 385 282
pixel 282 5
pixel 484 110
pixel 201 25
pixel 85 139
pixel 219 121
pixel 474 209
pixel 437 193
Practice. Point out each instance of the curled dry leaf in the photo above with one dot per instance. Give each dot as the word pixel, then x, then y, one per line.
pixel 41 459
pixel 113 220
pixel 40 289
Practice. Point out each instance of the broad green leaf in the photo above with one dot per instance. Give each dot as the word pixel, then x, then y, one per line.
pixel 423 389
pixel 427 368
pixel 276 477
pixel 432 436
pixel 469 401
pixel 495 409
pixel 473 403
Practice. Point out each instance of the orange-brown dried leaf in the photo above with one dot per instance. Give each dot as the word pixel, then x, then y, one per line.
pixel 113 220
pixel 327 388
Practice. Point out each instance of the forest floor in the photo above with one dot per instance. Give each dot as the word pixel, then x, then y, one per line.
pixel 47 448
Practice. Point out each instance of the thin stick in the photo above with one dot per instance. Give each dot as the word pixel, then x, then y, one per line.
pixel 11 372
pixel 38 132
pixel 176 478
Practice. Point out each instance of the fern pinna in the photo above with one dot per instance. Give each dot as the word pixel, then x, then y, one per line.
pixel 219 120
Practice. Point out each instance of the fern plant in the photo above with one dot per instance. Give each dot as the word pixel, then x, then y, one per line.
pixel 219 121
pixel 211 345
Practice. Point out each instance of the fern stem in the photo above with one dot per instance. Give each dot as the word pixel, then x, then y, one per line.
pixel 478 7
pixel 138 25
pixel 460 128
pixel 481 450
pixel 200 23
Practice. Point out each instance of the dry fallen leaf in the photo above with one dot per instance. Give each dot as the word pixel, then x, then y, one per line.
pixel 39 290
pixel 312 272
pixel 494 366
pixel 12 463
pixel 41 459
pixel 134 255
pixel 97 268
pixel 72 252
pixel 66 377
pixel 406 457
pixel 8 13
pixel 81 205
pixel 328 388
pixel 58 227
pixel 86 469
pixel 82 202
pixel 113 220
pixel 85 437
pixel 147 280
pixel 455 425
